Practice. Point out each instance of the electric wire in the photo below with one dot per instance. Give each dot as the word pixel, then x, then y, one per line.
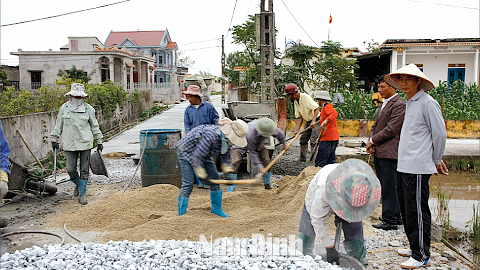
pixel 231 19
pixel 64 14
pixel 299 24
pixel 445 5
pixel 199 41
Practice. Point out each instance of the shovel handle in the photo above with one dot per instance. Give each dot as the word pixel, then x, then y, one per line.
pixel 316 146
pixel 307 129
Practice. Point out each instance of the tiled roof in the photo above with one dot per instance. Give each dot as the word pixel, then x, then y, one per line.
pixel 140 38
pixel 171 45
pixel 111 48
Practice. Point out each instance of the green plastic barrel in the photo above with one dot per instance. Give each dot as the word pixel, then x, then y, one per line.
pixel 160 162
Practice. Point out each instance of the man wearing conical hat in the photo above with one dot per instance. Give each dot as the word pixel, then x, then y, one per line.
pixel 420 151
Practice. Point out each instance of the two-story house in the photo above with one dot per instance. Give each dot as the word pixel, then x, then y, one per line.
pixel 157 44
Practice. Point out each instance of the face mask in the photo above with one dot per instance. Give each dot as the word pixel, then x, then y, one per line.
pixel 76 105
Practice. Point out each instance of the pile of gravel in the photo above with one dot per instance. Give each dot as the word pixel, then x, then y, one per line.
pixel 172 254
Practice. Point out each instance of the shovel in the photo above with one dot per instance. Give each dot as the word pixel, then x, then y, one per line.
pixel 55 166
pixel 259 176
pixel 311 160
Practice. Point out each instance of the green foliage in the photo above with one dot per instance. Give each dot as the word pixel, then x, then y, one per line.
pixel 14 102
pixel 372 45
pixel 135 96
pixel 75 74
pixel 244 34
pixel 443 215
pixel 303 57
pixel 458 100
pixel 474 225
pixel 357 105
pixel 153 111
pixel 106 96
pixel 3 79
pixel 334 72
pixel 49 98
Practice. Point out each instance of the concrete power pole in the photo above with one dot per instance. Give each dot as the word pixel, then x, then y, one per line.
pixel 223 70
pixel 267 50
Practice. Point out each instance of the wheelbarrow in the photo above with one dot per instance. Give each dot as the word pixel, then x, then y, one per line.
pixel 22 180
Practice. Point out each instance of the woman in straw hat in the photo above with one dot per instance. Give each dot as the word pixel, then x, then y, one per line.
pixel 195 152
pixel 328 123
pixel 78 126
pixel 420 151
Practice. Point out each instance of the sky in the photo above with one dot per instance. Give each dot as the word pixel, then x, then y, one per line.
pixel 197 26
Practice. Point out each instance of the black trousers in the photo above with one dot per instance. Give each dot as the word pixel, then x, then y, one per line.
pixel 386 169
pixel 413 193
pixel 310 135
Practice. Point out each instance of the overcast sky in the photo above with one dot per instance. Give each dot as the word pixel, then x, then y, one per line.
pixel 197 26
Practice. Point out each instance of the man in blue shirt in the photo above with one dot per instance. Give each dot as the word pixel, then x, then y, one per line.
pixel 4 170
pixel 199 112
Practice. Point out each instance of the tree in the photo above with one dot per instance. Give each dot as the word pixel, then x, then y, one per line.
pixel 334 72
pixel 75 74
pixel 184 61
pixel 3 80
pixel 303 56
pixel 372 46
pixel 245 35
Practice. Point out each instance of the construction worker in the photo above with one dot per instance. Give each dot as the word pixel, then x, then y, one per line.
pixel 199 112
pixel 351 191
pixel 258 131
pixel 195 152
pixel 4 169
pixel 305 109
pixel 78 126
pixel 328 123
pixel 420 151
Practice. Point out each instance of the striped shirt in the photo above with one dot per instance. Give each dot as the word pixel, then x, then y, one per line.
pixel 202 143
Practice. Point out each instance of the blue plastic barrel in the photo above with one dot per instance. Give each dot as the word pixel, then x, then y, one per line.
pixel 160 162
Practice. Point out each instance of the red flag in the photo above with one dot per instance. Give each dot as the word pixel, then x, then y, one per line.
pixel 330 21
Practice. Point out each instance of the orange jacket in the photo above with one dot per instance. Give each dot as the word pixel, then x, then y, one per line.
pixel 331 131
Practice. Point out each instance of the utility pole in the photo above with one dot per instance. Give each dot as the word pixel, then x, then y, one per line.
pixel 223 69
pixel 267 51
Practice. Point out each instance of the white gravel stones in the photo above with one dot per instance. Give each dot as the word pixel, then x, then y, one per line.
pixel 162 254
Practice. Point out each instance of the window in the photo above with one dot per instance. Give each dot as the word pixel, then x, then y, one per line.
pixel 36 79
pixel 456 72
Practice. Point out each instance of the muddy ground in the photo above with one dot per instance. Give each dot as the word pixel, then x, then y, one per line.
pixel 151 213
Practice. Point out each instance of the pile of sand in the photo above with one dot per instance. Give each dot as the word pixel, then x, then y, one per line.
pixel 151 212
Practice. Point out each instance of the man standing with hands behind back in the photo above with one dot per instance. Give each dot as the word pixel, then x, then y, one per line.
pixel 383 145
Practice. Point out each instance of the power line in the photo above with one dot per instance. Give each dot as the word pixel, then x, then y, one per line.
pixel 201 48
pixel 69 13
pixel 442 4
pixel 299 24
pixel 199 41
pixel 231 19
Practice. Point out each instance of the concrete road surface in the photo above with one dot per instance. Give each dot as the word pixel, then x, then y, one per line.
pixel 129 140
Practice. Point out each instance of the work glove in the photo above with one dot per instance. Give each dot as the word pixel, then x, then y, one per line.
pixel 3 183
pixel 100 147
pixel 200 172
pixel 55 145
pixel 332 255
pixel 226 168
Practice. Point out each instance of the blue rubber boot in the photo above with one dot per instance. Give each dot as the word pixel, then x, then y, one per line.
pixel 82 189
pixel 182 205
pixel 75 181
pixel 231 176
pixel 267 180
pixel 200 183
pixel 216 200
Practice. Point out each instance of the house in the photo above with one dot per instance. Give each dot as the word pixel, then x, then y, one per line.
pixel 37 68
pixel 157 44
pixel 440 59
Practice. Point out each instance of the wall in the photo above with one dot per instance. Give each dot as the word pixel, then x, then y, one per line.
pixel 36 129
pixel 361 128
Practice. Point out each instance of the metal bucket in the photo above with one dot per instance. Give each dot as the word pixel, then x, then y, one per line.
pixel 159 163
pixel 97 164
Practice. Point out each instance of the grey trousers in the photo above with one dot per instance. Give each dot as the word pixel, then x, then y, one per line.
pixel 236 158
pixel 72 157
